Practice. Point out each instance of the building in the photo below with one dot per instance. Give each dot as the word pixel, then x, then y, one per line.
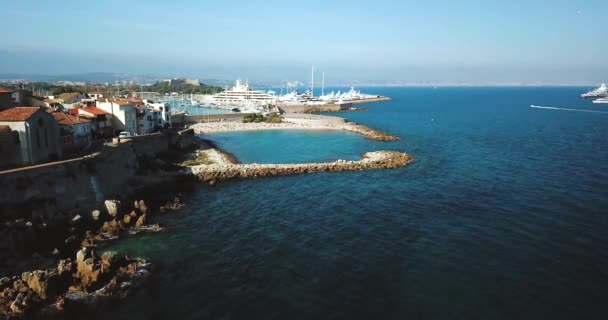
pixel 38 134
pixel 145 122
pixel 6 99
pixel 97 95
pixel 53 105
pixel 75 132
pixel 10 148
pixel 165 111
pixel 70 100
pixel 123 115
pixel 101 121
pixel 26 98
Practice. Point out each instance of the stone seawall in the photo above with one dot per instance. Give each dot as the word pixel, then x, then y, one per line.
pixel 371 160
pixel 84 182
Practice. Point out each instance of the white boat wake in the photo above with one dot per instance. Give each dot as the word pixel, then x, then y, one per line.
pixel 567 109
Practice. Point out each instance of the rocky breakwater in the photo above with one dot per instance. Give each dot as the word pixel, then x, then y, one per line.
pixel 372 160
pixel 370 133
pixel 70 286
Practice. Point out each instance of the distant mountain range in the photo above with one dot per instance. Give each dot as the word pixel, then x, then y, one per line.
pixel 107 77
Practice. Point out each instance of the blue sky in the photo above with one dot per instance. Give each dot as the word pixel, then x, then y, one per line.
pixel 367 41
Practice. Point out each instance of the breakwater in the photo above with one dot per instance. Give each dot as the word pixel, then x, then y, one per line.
pixel 371 160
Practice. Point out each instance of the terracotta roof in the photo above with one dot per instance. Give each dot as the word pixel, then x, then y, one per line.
pixel 5 129
pixel 68 120
pixel 50 101
pixel 122 103
pixel 93 110
pixel 18 113
pixel 2 90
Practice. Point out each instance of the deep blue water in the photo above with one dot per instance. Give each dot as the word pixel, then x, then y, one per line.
pixel 503 215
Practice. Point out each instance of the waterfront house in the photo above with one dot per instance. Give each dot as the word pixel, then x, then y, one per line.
pixel 148 120
pixel 6 99
pixel 123 114
pixel 101 123
pixel 75 132
pixel 38 134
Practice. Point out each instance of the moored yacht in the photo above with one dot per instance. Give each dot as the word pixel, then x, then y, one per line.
pixel 600 92
pixel 240 94
pixel 601 100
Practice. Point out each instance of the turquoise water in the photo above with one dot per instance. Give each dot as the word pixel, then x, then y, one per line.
pixel 293 146
pixel 503 215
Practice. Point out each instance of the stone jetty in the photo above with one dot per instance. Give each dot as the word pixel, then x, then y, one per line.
pixel 372 160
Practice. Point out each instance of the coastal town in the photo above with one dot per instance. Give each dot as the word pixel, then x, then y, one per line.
pixel 72 164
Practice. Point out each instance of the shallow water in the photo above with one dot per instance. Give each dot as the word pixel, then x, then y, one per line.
pixel 503 215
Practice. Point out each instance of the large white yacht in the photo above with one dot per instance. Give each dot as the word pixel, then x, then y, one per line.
pixel 600 92
pixel 240 94
pixel 601 100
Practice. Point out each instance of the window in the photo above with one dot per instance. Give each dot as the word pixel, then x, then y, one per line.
pixel 16 137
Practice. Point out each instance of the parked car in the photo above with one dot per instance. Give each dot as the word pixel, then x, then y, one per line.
pixel 124 134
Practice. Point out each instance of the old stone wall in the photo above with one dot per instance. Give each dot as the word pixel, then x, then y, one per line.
pixel 83 183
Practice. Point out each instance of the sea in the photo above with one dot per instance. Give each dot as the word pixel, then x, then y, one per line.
pixel 502 215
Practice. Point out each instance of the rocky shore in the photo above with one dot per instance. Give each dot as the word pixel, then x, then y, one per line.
pixel 220 171
pixel 65 283
pixel 368 133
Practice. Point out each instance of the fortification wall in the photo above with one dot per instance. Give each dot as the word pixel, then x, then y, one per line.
pixel 83 183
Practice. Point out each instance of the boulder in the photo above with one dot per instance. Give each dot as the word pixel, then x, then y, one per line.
pixel 142 207
pixel 141 221
pixel 95 214
pixel 81 255
pixel 126 219
pixel 42 282
pixel 113 206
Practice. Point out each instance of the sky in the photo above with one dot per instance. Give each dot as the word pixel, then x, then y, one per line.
pixel 377 41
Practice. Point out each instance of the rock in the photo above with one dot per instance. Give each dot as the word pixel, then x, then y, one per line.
pixel 42 282
pixel 133 214
pixel 5 282
pixel 136 205
pixel 86 243
pixel 142 207
pixel 95 214
pixel 126 219
pixel 113 206
pixel 81 255
pixel 65 266
pixel 141 221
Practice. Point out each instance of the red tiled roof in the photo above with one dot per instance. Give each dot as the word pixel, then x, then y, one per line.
pixel 122 103
pixel 93 110
pixel 5 129
pixel 2 90
pixel 18 113
pixel 68 120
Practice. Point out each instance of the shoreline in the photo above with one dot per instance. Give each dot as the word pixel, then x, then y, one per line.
pixel 291 123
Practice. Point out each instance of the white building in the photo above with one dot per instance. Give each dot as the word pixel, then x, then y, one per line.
pixel 165 111
pixel 124 117
pixel 37 138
